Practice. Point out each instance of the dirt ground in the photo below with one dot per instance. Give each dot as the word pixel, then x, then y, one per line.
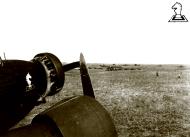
pixel 143 100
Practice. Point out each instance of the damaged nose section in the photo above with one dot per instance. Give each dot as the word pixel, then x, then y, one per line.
pixel 78 116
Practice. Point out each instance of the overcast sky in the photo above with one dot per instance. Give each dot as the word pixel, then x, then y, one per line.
pixel 106 31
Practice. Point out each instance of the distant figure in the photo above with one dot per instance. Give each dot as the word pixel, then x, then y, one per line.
pixel 157 74
pixel 179 76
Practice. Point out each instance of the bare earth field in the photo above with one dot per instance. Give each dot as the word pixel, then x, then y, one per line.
pixel 143 100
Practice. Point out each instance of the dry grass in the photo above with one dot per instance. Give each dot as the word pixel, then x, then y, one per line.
pixel 140 103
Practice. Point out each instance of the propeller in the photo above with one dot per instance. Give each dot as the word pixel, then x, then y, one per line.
pixel 85 78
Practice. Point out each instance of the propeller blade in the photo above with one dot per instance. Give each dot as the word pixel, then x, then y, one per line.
pixel 71 66
pixel 85 78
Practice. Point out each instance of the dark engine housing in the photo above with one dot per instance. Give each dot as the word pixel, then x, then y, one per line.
pixel 17 95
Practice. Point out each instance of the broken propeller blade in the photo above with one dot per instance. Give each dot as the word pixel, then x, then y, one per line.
pixel 85 78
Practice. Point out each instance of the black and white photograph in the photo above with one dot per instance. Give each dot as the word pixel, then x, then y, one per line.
pixel 104 68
